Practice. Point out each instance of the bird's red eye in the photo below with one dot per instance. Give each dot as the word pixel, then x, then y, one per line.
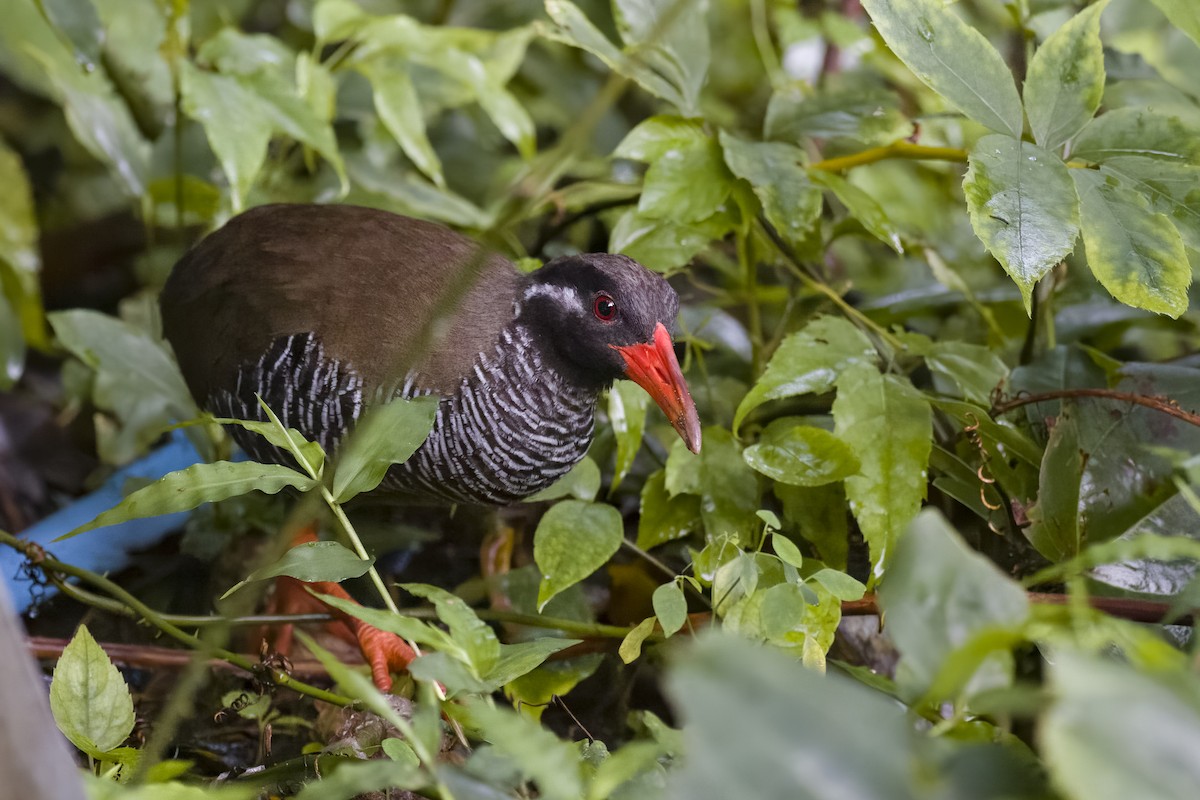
pixel 605 308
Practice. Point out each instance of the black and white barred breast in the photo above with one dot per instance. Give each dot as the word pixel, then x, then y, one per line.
pixel 512 427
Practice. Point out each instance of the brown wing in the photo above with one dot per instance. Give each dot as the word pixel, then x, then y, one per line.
pixel 385 294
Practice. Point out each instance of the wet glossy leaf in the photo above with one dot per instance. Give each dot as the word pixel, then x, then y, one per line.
pixel 801 455
pixel 1114 732
pixel 808 361
pixel 1172 190
pixel 758 724
pixel 937 594
pixel 385 435
pixel 791 203
pixel 1023 206
pixel 89 698
pixel 870 117
pixel 1136 254
pixel 1065 81
pixel 670 606
pixel 728 488
pixel 672 38
pixel 687 180
pixel 573 540
pixel 78 22
pixel 311 562
pixel 954 59
pixel 887 492
pixel 1134 132
pixel 663 245
pixel 201 483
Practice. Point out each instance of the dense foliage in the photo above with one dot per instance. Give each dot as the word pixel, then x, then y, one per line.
pixel 935 267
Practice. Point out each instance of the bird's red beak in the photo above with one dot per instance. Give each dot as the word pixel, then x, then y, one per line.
pixel 653 366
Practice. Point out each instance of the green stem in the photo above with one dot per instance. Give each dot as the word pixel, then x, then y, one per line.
pixel 901 149
pixel 278 678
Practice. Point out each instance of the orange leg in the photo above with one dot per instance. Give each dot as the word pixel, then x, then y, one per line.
pixel 383 651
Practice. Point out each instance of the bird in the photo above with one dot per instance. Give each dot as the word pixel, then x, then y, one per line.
pixel 323 311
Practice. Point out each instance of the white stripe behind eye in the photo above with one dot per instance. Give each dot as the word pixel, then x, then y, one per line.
pixel 566 296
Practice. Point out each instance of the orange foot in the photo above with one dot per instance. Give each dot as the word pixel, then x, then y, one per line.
pixel 385 652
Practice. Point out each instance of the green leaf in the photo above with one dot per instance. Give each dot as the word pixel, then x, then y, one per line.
pixel 787 551
pixel 581 483
pixel 631 646
pixel 670 606
pixel 311 562
pixel 783 610
pixel 862 207
pixel 1023 207
pixel 1056 526
pixel 627 405
pixel 975 369
pixel 1135 132
pixel 808 361
pixel 671 37
pixel 198 484
pixel 891 483
pixel 728 488
pixel 1065 81
pixel 839 584
pixel 310 455
pixel 870 117
pixel 1136 254
pixel 385 435
pixel 663 245
pixel 791 203
pixel 664 518
pixel 78 22
pixel 519 659
pixel 12 346
pixel 1183 15
pixel 758 724
pixel 1172 190
pixel 399 109
pixel 819 514
pixel 573 540
pixel 19 256
pixel 937 594
pixel 952 58
pixel 89 698
pixel 687 180
pixel 801 455
pixel 1115 732
pixel 536 752
pixel 472 634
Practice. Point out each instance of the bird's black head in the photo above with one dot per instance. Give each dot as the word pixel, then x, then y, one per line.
pixel 607 317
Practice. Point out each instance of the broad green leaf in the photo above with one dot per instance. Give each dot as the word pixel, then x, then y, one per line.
pixel 1023 207
pixel 975 369
pixel 627 405
pixel 89 698
pixel 664 518
pixel 347 777
pixel 573 540
pixel 889 427
pixel 728 488
pixel 862 207
pixel 839 584
pixel 670 606
pixel 77 22
pixel 663 245
pixel 682 470
pixel 819 514
pixel 1115 732
pixel 413 630
pixel 519 659
pixel 407 193
pixel 1135 253
pixel 1134 132
pixel 671 37
pixel 631 646
pixel 1065 81
pixel 235 121
pixel 384 435
pixel 311 562
pixel 581 483
pixel 952 58
pixel 540 755
pixel 808 361
pixel 1056 526
pixel 1184 14
pixel 19 256
pixel 787 550
pixel 801 455
pixel 742 707
pixel 937 594
pixel 1172 190
pixel 198 484
pixel 399 108
pixel 870 117
pixel 687 180
pixel 774 170
pixel 471 633
pixel 783 610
